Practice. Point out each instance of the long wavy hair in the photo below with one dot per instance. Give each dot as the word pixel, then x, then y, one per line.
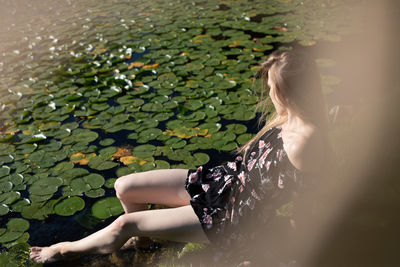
pixel 298 87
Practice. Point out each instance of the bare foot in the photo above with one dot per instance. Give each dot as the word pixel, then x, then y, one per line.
pixel 47 254
pixel 137 243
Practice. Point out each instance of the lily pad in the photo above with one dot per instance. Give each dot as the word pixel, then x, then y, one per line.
pixel 46 186
pixel 144 151
pixel 244 138
pixel 107 142
pixel 38 210
pixel 110 182
pixel 18 225
pixel 197 159
pixel 107 207
pixel 10 236
pixel 4 209
pixel 94 180
pixel 69 206
pixel 4 170
pixel 93 193
pixel 237 128
pixel 9 197
pixel 98 163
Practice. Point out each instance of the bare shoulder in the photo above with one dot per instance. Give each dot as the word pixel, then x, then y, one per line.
pixel 305 149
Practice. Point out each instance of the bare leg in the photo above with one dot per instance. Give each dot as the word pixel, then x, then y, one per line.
pixel 157 187
pixel 165 187
pixel 176 224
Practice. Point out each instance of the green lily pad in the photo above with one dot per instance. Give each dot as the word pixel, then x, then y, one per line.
pixel 15 245
pixel 244 138
pixel 6 159
pixel 93 193
pixel 237 128
pixel 18 205
pixel 107 152
pixel 70 174
pixel 6 186
pixel 16 178
pixel 122 171
pixel 150 134
pixel 69 206
pixel 197 159
pixel 62 167
pixel 18 225
pixel 193 104
pixel 144 151
pixel 80 135
pixel 98 163
pixel 38 210
pixel 4 209
pixel 107 207
pixel 94 180
pixel 8 138
pixel 107 142
pixel 9 197
pixel 110 182
pixel 33 139
pixel 162 164
pixel 45 186
pixel 10 236
pixel 211 127
pixel 229 146
pixel 4 171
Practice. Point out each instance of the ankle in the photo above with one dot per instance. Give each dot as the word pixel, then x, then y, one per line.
pixel 62 248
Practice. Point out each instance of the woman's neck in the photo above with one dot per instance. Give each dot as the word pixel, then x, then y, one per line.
pixel 294 122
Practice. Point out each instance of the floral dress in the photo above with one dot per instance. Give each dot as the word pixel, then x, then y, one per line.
pixel 236 201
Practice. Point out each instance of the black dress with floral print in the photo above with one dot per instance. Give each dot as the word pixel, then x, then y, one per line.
pixel 238 200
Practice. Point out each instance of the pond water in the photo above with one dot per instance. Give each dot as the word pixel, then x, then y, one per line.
pixel 93 90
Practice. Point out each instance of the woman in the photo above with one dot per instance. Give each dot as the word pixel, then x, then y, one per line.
pixel 222 205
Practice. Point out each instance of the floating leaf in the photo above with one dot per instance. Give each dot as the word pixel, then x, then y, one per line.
pixel 4 209
pixel 93 193
pixel 185 132
pixel 38 210
pixel 144 151
pixel 107 142
pixel 243 138
pixel 107 207
pixel 9 197
pixel 45 186
pixel 237 128
pixel 10 236
pixel 122 152
pixel 4 170
pixel 110 182
pixel 69 206
pixel 17 225
pixel 100 164
pixel 94 180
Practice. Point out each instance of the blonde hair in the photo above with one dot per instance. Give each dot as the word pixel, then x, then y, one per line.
pixel 298 87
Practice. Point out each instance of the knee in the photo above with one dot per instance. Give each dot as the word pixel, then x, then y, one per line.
pixel 123 185
pixel 124 225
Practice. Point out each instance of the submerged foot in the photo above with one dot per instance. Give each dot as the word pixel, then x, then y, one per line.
pixel 47 254
pixel 136 242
